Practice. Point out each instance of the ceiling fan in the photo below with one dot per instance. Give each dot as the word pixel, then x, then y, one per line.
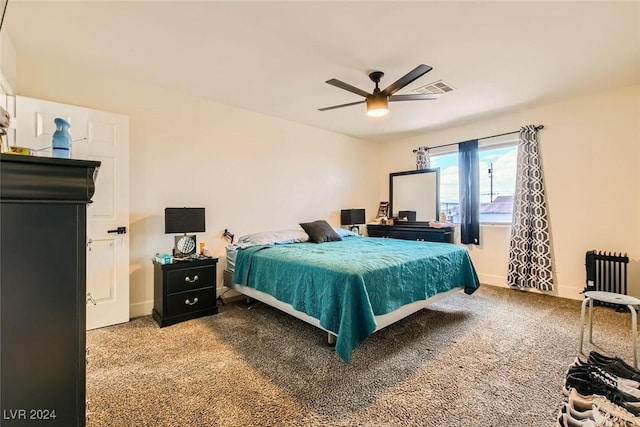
pixel 378 101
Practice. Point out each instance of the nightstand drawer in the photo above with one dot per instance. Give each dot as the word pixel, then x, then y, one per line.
pixel 190 278
pixel 187 302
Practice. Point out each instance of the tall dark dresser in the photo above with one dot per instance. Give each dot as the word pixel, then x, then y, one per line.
pixel 43 221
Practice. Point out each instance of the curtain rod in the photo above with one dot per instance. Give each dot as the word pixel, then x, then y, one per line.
pixel 484 137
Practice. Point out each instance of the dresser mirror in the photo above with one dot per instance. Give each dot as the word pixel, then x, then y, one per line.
pixel 415 194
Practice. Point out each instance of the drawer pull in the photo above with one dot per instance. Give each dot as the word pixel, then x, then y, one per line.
pixel 188 279
pixel 195 301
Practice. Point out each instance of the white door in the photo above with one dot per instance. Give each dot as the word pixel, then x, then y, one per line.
pixel 104 137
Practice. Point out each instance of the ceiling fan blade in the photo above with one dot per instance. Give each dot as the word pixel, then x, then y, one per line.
pixel 347 86
pixel 341 105
pixel 412 75
pixel 414 97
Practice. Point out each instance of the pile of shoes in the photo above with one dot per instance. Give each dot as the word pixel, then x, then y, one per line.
pixel 603 391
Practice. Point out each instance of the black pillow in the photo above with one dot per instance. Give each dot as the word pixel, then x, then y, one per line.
pixel 320 231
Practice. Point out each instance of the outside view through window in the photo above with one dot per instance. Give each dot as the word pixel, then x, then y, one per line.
pixel 497 183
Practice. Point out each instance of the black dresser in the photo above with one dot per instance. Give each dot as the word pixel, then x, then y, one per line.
pixel 42 289
pixel 184 290
pixel 412 231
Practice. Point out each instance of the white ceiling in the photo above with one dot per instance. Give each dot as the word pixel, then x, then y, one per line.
pixel 274 57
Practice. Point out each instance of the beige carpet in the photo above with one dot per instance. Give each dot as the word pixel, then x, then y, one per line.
pixel 496 358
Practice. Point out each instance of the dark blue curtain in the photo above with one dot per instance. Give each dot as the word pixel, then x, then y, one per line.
pixel 469 177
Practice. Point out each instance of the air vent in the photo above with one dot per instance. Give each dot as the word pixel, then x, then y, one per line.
pixel 436 88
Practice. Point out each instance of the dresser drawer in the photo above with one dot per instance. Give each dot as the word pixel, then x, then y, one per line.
pixel 187 302
pixel 190 278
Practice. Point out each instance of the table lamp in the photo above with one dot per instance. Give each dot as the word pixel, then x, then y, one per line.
pixel 352 217
pixel 184 220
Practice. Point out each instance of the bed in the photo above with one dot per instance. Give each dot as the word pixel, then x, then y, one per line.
pixel 350 288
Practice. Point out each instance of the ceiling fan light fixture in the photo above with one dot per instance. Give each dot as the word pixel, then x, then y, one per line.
pixel 377 106
pixel 378 100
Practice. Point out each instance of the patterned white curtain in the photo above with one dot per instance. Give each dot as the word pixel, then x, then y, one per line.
pixel 530 248
pixel 423 160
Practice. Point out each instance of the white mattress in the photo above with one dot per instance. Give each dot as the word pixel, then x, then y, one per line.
pixel 231 258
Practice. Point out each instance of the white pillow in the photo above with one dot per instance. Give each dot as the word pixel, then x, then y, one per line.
pixel 343 232
pixel 279 237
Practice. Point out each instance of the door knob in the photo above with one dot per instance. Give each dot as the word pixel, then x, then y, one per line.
pixel 119 230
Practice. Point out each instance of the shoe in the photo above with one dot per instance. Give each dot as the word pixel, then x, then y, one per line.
pixel 603 419
pixel 582 404
pixel 586 385
pixel 569 415
pixel 614 365
pixel 617 369
pixel 602 357
pixel 566 420
pixel 625 381
pixel 610 380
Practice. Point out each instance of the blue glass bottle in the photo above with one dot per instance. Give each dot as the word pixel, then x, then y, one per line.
pixel 62 139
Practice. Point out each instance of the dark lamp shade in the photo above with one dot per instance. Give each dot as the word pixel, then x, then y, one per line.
pixel 184 220
pixel 352 216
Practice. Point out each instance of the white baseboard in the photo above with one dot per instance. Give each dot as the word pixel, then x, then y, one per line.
pixel 491 279
pixel 140 309
pixel 562 292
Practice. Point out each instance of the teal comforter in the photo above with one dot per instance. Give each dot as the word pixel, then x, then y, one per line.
pixel 346 284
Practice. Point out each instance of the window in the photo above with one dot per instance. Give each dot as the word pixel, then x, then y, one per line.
pixel 497 182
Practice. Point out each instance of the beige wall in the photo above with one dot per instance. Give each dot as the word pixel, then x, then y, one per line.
pixel 251 172
pixel 590 149
pixel 254 172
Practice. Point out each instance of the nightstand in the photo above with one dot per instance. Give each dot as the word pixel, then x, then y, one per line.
pixel 184 290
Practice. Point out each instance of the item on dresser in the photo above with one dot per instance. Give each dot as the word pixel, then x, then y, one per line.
pixel 353 276
pixel 407 215
pixel 184 290
pixel 383 210
pixel 22 151
pixel 61 141
pixel 441 224
pixel 163 258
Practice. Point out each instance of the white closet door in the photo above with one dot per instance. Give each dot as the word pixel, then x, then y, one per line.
pixel 104 137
